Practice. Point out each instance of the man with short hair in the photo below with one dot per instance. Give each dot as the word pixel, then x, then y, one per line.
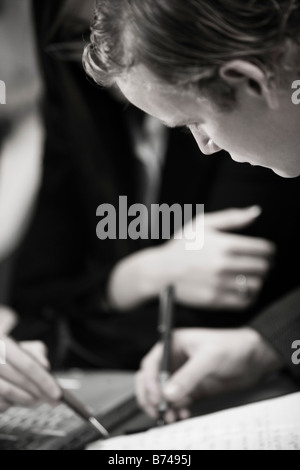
pixel 225 70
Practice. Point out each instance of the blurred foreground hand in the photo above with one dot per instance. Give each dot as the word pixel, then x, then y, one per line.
pixel 210 277
pixel 227 273
pixel 24 379
pixel 8 320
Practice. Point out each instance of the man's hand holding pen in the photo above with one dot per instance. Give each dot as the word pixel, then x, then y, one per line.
pixel 203 362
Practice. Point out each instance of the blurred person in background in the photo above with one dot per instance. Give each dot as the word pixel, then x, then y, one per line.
pixel 21 129
pixel 23 380
pixel 92 302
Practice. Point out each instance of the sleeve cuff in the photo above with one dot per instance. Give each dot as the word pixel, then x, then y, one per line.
pixel 279 325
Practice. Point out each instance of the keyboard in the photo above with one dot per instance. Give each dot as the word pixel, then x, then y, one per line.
pixel 109 395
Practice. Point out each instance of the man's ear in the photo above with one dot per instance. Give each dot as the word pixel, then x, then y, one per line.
pixel 240 74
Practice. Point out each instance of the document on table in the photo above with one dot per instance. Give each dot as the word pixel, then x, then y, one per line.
pixel 268 425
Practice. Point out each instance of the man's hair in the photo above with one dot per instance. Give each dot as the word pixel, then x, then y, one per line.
pixel 187 41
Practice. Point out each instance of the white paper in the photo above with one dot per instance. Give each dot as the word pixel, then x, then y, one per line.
pixel 268 425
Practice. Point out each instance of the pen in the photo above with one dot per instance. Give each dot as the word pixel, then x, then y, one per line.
pixel 165 325
pixel 80 409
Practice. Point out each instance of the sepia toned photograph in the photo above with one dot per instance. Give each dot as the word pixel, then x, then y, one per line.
pixel 149 227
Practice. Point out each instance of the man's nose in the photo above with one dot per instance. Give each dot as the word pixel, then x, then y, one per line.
pixel 206 145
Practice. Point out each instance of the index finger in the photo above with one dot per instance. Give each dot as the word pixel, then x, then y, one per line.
pixel 32 371
pixel 150 368
pixel 240 244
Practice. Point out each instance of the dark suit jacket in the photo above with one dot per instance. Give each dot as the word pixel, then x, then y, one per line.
pixel 62 269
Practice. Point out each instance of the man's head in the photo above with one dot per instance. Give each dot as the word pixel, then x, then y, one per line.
pixel 222 67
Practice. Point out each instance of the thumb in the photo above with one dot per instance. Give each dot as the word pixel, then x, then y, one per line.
pixel 184 384
pixel 232 219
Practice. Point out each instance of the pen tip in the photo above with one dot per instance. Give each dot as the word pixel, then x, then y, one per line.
pixel 94 422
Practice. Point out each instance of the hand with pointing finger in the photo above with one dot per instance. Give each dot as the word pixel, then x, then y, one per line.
pixel 24 379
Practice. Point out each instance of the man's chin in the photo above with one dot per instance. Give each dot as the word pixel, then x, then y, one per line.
pixel 285 174
pixel 288 174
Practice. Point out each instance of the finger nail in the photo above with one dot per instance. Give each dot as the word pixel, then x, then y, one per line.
pixel 45 363
pixel 170 417
pixel 255 211
pixel 185 414
pixel 55 393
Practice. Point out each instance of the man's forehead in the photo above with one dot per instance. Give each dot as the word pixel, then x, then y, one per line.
pixel 156 103
pixel 173 105
pixel 139 76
